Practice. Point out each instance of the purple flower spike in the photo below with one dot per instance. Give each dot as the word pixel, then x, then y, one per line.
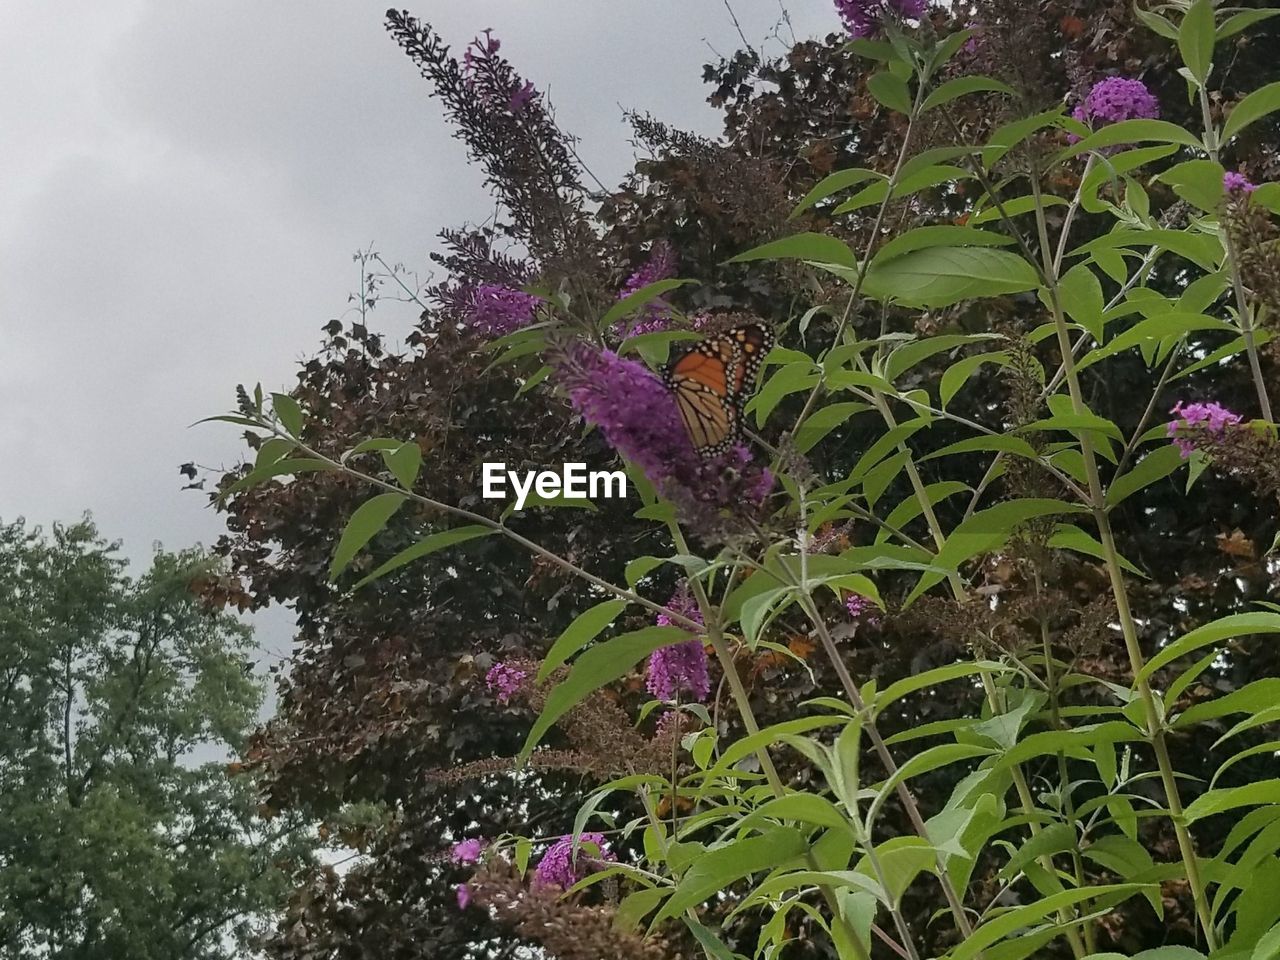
pixel 863 17
pixel 496 310
pixel 504 680
pixel 1234 182
pixel 681 666
pixel 558 866
pixel 654 316
pixel 1114 99
pixel 862 610
pixel 522 96
pixel 464 896
pixel 468 851
pixel 1210 418
pixel 637 416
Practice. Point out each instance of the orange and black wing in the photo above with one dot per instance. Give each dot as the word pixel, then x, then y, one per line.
pixel 710 384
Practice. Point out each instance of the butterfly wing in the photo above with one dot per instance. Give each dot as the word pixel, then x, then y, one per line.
pixel 710 384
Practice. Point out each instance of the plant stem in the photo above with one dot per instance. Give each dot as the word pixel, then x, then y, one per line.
pixel 1097 504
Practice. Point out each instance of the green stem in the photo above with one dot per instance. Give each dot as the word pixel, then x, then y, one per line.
pixel 1097 504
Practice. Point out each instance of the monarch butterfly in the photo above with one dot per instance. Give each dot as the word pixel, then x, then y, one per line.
pixel 711 382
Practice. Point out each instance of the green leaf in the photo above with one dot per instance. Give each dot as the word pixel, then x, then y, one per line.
pixel 792 378
pixel 1155 22
pixel 1132 131
pixel 1067 536
pixel 1231 798
pixel 1250 698
pixel 902 859
pixel 1242 21
pixel 707 939
pixel 942 276
pixel 1011 134
pixel 958 374
pixel 961 86
pixel 289 412
pixel 997 443
pixel 585 627
pixel 599 665
pixel 824 420
pixel 1198 182
pixel 1154 466
pixel 370 517
pixel 1195 39
pixel 425 546
pixel 1081 295
pixel 1162 325
pixel 922 238
pixel 717 869
pixel 1254 107
pixel 909 354
pixel 630 304
pixel 272 450
pixel 404 462
pixel 278 469
pixel 641 567
pixel 834 183
pixel 928 176
pixel 1268 948
pixel 931 678
pixel 985 531
pixel 1236 625
pixel 1014 920
pixel 816 247
pixel 891 91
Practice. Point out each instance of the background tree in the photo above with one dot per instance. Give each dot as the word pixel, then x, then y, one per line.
pixel 122 834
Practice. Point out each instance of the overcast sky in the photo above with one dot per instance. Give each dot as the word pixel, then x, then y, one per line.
pixel 183 183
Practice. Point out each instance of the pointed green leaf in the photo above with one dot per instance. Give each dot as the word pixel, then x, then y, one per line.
pixel 426 546
pixel 370 517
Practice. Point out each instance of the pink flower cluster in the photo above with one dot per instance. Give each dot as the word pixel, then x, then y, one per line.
pixel 1211 418
pixel 637 416
pixel 496 310
pixel 1234 182
pixel 862 17
pixel 681 666
pixel 862 609
pixel 1114 99
pixel 504 680
pixel 560 868
pixel 654 316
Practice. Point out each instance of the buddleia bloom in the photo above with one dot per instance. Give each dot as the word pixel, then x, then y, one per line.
pixel 655 315
pixel 863 17
pixel 1237 183
pixel 495 310
pixel 1114 99
pixel 862 610
pixel 636 414
pixel 504 680
pixel 1196 422
pixel 681 666
pixel 559 867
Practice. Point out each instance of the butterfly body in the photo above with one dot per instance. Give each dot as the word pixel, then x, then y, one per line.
pixel 711 382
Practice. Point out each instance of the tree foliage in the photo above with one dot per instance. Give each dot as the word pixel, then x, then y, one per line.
pixel 121 833
pixel 993 758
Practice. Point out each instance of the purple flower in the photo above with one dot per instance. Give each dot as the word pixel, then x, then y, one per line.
pixel 496 310
pixel 1234 182
pixel 681 666
pixel 862 17
pixel 862 609
pixel 655 315
pixel 504 680
pixel 468 851
pixel 1114 99
pixel 522 96
pixel 558 866
pixel 464 896
pixel 1202 418
pixel 637 415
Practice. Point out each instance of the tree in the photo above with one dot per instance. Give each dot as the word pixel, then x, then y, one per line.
pixel 122 834
pixel 383 702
